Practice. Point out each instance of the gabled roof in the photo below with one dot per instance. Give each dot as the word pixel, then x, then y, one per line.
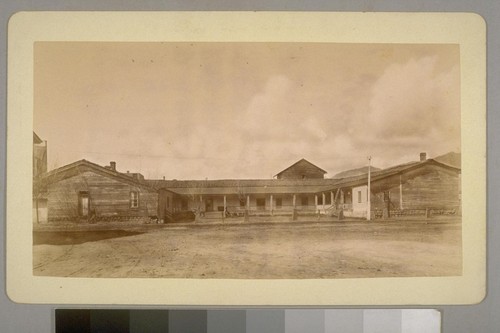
pixel 80 166
pixel 393 171
pixel 301 161
pixel 36 139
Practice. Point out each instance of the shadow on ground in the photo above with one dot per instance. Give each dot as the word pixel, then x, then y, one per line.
pixel 77 237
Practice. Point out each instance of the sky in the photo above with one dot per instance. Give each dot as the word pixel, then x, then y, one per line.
pixel 244 110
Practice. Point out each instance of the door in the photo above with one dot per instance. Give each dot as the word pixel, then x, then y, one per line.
pixel 209 205
pixel 83 204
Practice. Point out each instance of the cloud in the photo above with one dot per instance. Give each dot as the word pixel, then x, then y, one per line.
pixel 413 107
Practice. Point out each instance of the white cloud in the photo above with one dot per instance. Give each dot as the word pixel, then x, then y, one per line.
pixel 410 100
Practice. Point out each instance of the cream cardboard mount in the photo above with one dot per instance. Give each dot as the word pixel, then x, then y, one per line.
pixel 463 31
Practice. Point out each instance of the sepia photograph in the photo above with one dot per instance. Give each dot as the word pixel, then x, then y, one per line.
pixel 246 160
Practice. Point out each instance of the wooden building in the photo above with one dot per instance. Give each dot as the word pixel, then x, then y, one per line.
pixel 84 191
pixel 256 196
pixel 415 188
pixel 39 156
pixel 302 169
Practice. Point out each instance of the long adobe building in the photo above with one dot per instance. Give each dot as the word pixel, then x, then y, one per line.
pixel 85 191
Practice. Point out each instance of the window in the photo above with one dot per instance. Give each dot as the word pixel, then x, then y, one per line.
pixel 320 199
pixel 359 197
pixel 304 201
pixel 134 199
pixel 243 202
pixel 279 203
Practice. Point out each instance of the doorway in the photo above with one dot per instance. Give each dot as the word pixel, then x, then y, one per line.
pixel 83 204
pixel 209 205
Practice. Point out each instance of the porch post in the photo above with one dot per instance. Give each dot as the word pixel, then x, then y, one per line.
pixel 294 213
pixel 316 202
pixel 324 199
pixel 271 205
pixel 201 209
pixel 225 207
pixel 294 201
pixel 400 193
pixel 247 213
pixel 341 210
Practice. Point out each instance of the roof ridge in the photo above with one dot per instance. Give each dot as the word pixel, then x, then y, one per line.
pixel 98 167
pixel 302 159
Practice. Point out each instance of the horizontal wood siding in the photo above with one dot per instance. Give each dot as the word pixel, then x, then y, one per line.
pixel 301 169
pixel 108 197
pixel 165 205
pixel 436 189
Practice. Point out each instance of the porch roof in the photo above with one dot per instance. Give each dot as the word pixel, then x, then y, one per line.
pixel 244 186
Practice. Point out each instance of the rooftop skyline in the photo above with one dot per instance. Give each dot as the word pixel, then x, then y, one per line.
pixel 244 110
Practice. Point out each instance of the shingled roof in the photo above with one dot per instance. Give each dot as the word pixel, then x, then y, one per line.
pixel 392 171
pixel 301 161
pixel 78 167
pixel 234 186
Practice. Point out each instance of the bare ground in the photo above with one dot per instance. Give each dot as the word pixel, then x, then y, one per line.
pixel 279 250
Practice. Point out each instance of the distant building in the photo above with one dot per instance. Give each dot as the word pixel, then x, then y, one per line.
pixel 39 168
pixel 302 169
pixel 39 156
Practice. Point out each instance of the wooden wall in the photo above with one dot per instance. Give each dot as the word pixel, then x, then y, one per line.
pixel 165 205
pixel 436 189
pixel 301 169
pixel 109 197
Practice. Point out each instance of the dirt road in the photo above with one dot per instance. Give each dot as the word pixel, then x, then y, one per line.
pixel 305 250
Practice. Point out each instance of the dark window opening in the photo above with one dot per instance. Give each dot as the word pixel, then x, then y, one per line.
pixel 184 204
pixel 304 201
pixel 328 199
pixel 261 203
pixel 279 203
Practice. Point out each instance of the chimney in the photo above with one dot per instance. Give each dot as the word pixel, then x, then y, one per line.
pixel 112 165
pixel 423 157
